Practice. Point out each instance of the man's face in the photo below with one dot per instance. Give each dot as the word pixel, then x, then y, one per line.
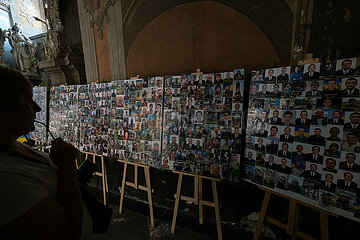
pixel 334 148
pixel 189 101
pixel 350 84
pixel 351 139
pixel 327 102
pixel 283 71
pixel 311 68
pixel 348 177
pixel 264 88
pixel 249 139
pixel 283 162
pixel 271 73
pixel 218 77
pixel 297 164
pixel 287 131
pixel 237 107
pixel 271 159
pixel 257 172
pixel 331 85
pixel 313 168
pixel 346 64
pixel 287 118
pixel 317 132
pixel 336 115
pixel 303 115
pixel 299 148
pixel 275 114
pixel 285 147
pixel 314 86
pixel 334 132
pixel 273 131
pixel 262 126
pixel 250 155
pixel 330 163
pixel 316 150
pixel 328 178
pixel 254 88
pixel 350 158
pixel 355 118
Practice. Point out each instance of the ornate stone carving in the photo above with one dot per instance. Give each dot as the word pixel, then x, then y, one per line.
pixel 2 41
pixel 98 14
pixel 54 27
pixel 23 49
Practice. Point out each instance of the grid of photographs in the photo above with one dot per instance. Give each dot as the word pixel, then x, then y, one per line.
pixel 63 112
pixel 303 133
pixel 40 97
pixel 202 124
pixel 189 123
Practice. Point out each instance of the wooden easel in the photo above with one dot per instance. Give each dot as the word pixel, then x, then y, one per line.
pixel 135 185
pixel 101 174
pixel 291 226
pixel 198 72
pixel 197 199
pixel 308 60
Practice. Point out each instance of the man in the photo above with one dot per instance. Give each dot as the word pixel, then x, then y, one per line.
pixel 176 93
pixel 350 89
pixel 334 133
pixel 270 78
pixel 189 145
pixel 259 146
pixel 299 155
pixel 281 183
pixel 271 164
pixel 301 136
pixel 275 118
pixel 250 160
pixel 331 91
pixel 336 118
pixel 297 169
pixel 276 93
pixel 317 139
pixel 303 120
pixel 236 134
pixel 273 133
pixel 286 137
pixel 347 182
pixel 311 74
pixel 284 152
pixel 264 93
pixel 346 69
pixel 327 184
pixel 287 118
pixel 315 155
pixel 354 124
pixel 330 165
pixel 189 106
pixel 249 144
pixel 283 168
pixel 314 90
pixel 258 178
pixel 283 77
pixel 262 132
pixel 312 173
pixel 352 143
pixel 198 117
pixel 349 164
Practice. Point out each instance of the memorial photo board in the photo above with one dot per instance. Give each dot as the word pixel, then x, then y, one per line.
pixel 40 97
pixel 303 132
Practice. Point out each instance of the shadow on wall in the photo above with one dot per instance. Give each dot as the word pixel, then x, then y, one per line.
pixel 205 35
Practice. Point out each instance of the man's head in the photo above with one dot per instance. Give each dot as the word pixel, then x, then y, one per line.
pixel 299 148
pixel 303 114
pixel 315 150
pixel 283 162
pixel 297 164
pixel 313 167
pixel 271 158
pixel 314 85
pixel 350 83
pixel 311 68
pixel 271 72
pixel 354 118
pixel 264 88
pixel 352 138
pixel 288 117
pixel 348 176
pixel 250 155
pixel 273 131
pixel 329 178
pixel 346 64
pixel 285 146
pixel 334 132
pixel 331 84
pixel 275 113
pixel 317 131
pixel 283 70
pixel 336 114
pixel 350 158
pixel 334 148
pixel 330 163
pixel 287 130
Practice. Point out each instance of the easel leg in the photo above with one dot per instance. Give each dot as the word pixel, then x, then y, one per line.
pixel 196 190
pixel 296 222
pixel 122 188
pixel 148 186
pixel 291 218
pixel 201 212
pixel 177 200
pixel 217 211
pixel 262 215
pixel 104 184
pixel 324 226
